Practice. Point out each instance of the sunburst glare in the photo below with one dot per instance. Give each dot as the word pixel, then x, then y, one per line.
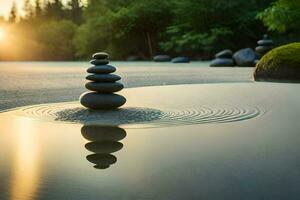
pixel 2 33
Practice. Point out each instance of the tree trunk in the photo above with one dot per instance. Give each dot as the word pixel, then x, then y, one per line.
pixel 149 43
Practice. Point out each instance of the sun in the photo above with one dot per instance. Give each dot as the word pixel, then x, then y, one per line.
pixel 2 33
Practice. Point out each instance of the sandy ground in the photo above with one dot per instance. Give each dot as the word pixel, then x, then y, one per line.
pixel 28 83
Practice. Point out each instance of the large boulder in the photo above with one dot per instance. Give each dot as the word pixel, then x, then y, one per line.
pixel 222 62
pixel 227 53
pixel 280 64
pixel 181 59
pixel 245 57
pixel 162 58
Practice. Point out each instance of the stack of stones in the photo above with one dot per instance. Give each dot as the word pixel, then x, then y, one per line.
pixel 223 58
pixel 264 45
pixel 102 85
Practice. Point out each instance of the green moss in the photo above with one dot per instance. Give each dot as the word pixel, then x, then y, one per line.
pixel 282 63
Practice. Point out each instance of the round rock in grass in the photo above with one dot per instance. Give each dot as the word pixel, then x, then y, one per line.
pixel 104 87
pixel 281 64
pixel 99 62
pixel 95 100
pixel 100 56
pixel 101 69
pixel 103 77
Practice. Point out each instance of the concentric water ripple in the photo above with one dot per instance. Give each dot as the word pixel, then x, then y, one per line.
pixel 143 117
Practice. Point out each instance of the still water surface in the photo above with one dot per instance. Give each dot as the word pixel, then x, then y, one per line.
pixel 249 159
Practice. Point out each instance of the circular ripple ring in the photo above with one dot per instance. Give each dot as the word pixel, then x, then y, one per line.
pixel 148 117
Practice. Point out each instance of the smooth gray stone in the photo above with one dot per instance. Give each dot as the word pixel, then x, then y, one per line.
pixel 104 87
pixel 162 58
pixel 100 101
pixel 227 53
pixel 100 55
pixel 265 43
pixel 222 62
pixel 103 77
pixel 263 49
pixel 99 62
pixel 245 57
pixel 133 58
pixel 101 69
pixel 181 59
pixel 265 36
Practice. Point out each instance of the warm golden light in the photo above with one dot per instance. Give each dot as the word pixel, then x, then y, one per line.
pixel 25 171
pixel 2 33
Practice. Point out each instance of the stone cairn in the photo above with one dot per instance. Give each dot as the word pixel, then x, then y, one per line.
pixel 102 85
pixel 264 45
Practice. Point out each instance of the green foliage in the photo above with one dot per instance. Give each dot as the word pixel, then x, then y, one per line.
pixel 195 28
pixel 282 16
pixel 188 42
pixel 132 29
pixel 212 25
pixel 57 36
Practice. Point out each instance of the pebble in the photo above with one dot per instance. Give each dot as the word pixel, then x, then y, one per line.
pixel 100 55
pixel 101 69
pixel 104 87
pixel 227 53
pixel 104 101
pixel 99 62
pixel 103 77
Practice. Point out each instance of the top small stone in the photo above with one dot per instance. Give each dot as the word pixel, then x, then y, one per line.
pixel 100 55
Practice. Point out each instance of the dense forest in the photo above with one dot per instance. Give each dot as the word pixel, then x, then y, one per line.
pixel 51 30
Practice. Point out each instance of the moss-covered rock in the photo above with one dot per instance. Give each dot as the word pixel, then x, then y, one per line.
pixel 280 64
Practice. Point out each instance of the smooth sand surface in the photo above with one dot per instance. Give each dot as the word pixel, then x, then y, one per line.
pixel 29 83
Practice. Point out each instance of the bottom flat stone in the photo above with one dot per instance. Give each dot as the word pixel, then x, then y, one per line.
pixel 98 101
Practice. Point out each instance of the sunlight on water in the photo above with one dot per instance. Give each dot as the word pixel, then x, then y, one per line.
pixel 47 160
pixel 26 168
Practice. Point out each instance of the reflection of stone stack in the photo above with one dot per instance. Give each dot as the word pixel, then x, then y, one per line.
pixel 102 84
pixel 103 142
pixel 264 45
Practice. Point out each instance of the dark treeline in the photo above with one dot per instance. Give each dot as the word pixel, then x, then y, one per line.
pixel 51 30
